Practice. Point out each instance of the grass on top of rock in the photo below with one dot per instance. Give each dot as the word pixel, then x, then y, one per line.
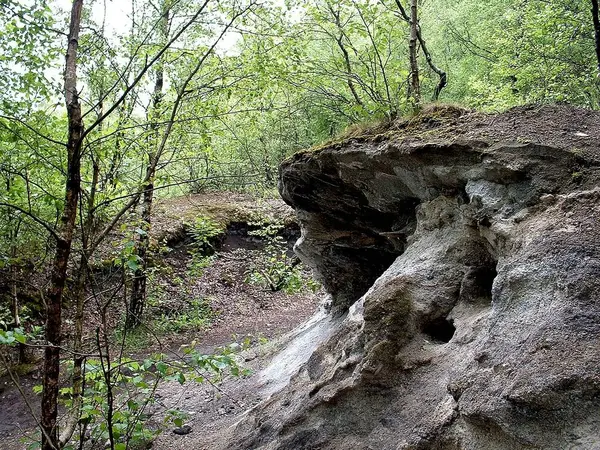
pixel 429 119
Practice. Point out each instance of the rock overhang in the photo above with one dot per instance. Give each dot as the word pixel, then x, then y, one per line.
pixel 470 266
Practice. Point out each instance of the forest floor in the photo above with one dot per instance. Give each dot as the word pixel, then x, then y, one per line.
pixel 212 303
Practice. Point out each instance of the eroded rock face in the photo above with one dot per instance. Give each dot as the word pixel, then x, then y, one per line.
pixel 464 268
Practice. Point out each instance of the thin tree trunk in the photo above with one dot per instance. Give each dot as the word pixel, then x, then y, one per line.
pixel 136 305
pixel 79 295
pixel 65 237
pixel 596 31
pixel 138 289
pixel 392 112
pixel 349 72
pixel 345 54
pixel 14 291
pixel 12 238
pixel 415 88
pixel 441 74
pixel 140 280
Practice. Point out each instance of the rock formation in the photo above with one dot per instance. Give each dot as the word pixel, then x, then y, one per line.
pixel 462 255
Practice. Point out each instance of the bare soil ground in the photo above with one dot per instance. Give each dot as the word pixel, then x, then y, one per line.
pixel 538 124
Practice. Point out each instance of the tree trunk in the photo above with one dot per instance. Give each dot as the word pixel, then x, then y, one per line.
pixel 138 289
pixel 64 240
pixel 138 297
pixel 11 236
pixel 14 292
pixel 346 55
pixel 140 279
pixel 79 295
pixel 596 31
pixel 443 76
pixel 415 89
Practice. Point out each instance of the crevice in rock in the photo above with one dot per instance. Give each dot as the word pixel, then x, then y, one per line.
pixel 440 330
pixel 350 251
pixel 478 280
pixel 485 280
pixel 477 284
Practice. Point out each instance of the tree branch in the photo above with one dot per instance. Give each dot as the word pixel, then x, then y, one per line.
pixel 443 76
pixel 36 219
pixel 145 69
pixel 30 128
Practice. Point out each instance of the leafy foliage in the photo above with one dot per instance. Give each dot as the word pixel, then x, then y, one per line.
pixel 196 316
pixel 28 48
pixel 511 53
pixel 12 337
pixel 132 385
pixel 277 269
pixel 204 232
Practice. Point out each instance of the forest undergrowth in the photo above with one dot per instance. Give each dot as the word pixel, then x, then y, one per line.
pixel 227 283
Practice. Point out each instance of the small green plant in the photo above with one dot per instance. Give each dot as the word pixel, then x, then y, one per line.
pixel 156 290
pixel 118 396
pixel 248 341
pixel 199 263
pixel 6 317
pixel 204 231
pixel 127 256
pixel 278 271
pixel 13 337
pixel 133 339
pixel 198 315
pixel 19 335
pixel 176 417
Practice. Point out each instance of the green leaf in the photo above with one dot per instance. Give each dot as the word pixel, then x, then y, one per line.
pixel 161 367
pixel 34 446
pixel 133 264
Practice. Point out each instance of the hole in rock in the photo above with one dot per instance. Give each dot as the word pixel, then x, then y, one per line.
pixel 439 330
pixel 476 286
pixel 484 280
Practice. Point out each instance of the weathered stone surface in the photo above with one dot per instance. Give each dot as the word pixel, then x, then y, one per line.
pixel 465 275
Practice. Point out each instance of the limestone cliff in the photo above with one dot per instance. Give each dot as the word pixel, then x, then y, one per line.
pixel 462 255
